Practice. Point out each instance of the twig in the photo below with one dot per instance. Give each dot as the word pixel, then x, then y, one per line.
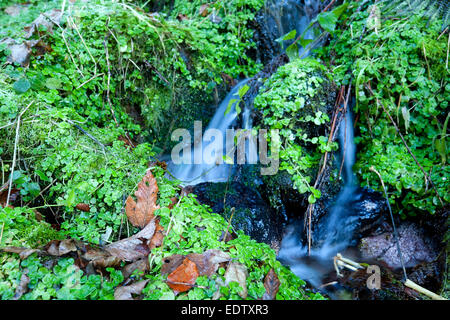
pixel 92 78
pixel 84 131
pixel 105 45
pixel 396 237
pixel 153 68
pixel 329 5
pixel 84 43
pixel 108 90
pixel 187 284
pixel 420 289
pixel 338 113
pixel 16 142
pixel 406 145
pixel 448 45
pixel 229 224
pixel 65 42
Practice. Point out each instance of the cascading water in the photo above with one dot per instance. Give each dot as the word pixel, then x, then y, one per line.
pixel 283 16
pixel 288 15
pixel 337 229
pixel 208 170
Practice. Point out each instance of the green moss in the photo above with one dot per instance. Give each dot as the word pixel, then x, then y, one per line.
pixel 21 228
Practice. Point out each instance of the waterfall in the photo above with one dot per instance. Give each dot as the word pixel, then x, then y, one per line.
pixel 338 227
pixel 191 174
pixel 283 16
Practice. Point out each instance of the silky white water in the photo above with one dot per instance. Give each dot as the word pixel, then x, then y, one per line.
pixel 337 235
pixel 191 174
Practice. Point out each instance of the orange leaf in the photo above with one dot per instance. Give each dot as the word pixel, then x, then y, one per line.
pixel 183 277
pixel 140 213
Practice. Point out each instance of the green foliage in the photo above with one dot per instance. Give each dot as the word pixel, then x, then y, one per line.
pixel 194 229
pixel 70 148
pixel 292 101
pixel 404 63
pixel 73 169
pixel 21 228
pixel 156 62
pixel 326 20
pixel 63 281
pixel 223 43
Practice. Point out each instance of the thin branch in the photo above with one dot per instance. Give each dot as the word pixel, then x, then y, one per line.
pixel 16 142
pixel 406 145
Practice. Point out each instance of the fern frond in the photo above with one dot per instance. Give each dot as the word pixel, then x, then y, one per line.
pixel 432 9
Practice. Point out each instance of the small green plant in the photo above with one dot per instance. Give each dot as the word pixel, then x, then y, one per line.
pixel 292 101
pixel 404 63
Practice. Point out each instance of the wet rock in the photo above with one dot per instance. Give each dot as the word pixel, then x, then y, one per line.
pixel 414 245
pixel 428 275
pixel 281 194
pixel 252 214
pixel 361 213
pixel 391 287
pixel 369 208
pixel 257 81
pixel 265 35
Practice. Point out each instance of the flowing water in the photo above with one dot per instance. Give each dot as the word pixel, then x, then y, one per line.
pixel 284 16
pixel 208 170
pixel 337 229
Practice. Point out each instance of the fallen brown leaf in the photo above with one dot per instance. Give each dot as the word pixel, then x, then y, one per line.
pixel 58 248
pixel 101 259
pixel 22 287
pixel 46 19
pixel 22 252
pixel 272 284
pixel 182 17
pixel 174 201
pixel 237 272
pixel 135 247
pixel 15 9
pixel 140 213
pixel 141 265
pixel 171 263
pixel 12 197
pixel 203 11
pixel 41 48
pixel 158 237
pixel 128 143
pixel 21 52
pixel 183 278
pixel 125 293
pixel 208 262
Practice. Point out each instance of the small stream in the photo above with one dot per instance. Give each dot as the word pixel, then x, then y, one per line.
pixel 353 214
pixel 208 170
pixel 284 16
pixel 337 229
